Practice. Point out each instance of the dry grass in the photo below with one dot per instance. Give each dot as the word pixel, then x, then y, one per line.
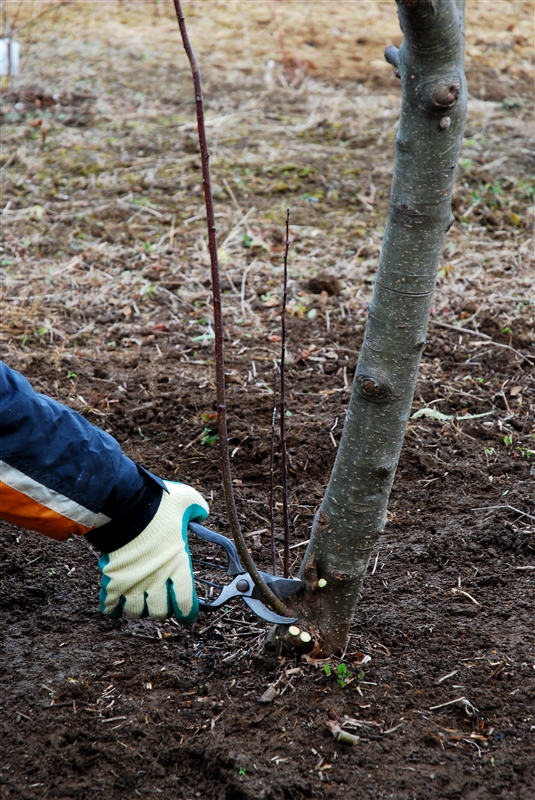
pixel 104 240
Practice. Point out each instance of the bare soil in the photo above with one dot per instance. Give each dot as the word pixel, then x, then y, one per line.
pixel 106 307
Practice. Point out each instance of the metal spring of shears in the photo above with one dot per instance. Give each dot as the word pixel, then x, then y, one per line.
pixel 243 585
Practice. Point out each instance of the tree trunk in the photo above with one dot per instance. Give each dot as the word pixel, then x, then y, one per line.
pixel 353 512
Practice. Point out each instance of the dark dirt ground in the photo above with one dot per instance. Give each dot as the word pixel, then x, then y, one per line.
pixel 108 313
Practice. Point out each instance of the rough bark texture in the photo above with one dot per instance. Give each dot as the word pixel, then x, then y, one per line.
pixel 353 512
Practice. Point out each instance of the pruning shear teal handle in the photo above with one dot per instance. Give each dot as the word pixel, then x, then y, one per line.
pixel 243 585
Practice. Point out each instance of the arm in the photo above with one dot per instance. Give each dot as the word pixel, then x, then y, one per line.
pixel 60 475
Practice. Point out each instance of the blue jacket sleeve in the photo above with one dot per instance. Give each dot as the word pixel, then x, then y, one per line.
pixel 52 456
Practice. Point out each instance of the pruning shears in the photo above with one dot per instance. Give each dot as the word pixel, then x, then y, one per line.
pixel 242 584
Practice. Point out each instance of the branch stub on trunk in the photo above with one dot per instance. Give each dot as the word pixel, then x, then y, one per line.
pixel 373 388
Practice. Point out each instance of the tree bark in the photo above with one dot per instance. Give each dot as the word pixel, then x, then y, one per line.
pixel 353 513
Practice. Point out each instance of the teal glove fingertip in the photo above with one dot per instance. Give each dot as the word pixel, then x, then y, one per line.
pixel 196 512
pixel 116 612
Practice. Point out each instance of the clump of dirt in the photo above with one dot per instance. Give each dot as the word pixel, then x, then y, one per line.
pixel 324 283
pixel 107 308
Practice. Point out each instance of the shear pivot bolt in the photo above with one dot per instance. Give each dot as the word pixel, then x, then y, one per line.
pixel 242 586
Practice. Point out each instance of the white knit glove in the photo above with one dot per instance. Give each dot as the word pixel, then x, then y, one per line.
pixel 151 576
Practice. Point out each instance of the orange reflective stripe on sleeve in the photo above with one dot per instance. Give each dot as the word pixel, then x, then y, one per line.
pixel 29 504
pixel 21 510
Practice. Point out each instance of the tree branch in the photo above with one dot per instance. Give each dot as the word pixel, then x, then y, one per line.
pixel 228 488
pixel 15 29
pixel 272 477
pixel 392 55
pixel 284 454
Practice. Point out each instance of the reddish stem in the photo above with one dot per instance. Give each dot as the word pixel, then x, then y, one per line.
pixel 284 456
pixel 286 61
pixel 272 478
pixel 14 29
pixel 228 489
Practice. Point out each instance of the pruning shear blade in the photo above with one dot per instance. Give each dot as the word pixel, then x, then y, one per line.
pixel 243 585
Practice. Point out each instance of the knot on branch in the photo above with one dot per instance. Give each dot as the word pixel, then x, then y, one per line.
pixel 372 388
pixel 446 93
pixel 383 471
pixel 439 96
pixel 322 520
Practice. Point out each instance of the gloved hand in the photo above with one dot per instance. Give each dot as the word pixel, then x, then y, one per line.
pixel 151 576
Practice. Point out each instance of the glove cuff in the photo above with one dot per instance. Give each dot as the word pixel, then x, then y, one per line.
pixel 121 530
